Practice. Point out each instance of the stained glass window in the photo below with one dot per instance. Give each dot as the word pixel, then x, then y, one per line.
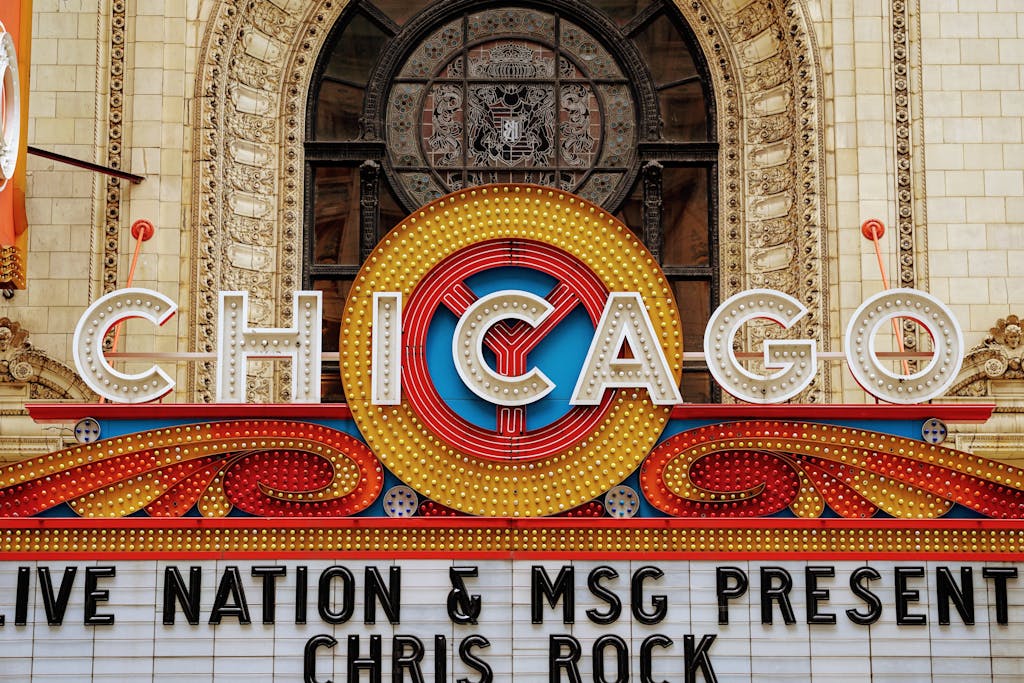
pixel 607 99
pixel 511 95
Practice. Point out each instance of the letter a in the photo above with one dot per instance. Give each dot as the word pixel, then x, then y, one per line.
pixel 625 324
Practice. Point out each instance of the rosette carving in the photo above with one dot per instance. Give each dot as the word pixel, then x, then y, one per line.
pixel 1000 356
pixel 21 363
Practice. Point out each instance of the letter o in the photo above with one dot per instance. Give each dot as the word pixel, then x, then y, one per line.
pixel 930 313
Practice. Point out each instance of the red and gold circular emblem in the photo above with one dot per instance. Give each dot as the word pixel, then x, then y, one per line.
pixel 511 468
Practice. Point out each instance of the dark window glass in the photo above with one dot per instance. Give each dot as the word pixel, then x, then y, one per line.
pixel 697 386
pixel 668 57
pixel 336 207
pixel 685 217
pixel 352 56
pixel 338 111
pixel 400 11
pixel 522 93
pixel 632 210
pixel 621 11
pixel 391 214
pixel 357 51
pixel 334 293
pixel 692 298
pixel 682 112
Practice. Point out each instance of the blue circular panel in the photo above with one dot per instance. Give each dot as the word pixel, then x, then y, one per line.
pixel 560 355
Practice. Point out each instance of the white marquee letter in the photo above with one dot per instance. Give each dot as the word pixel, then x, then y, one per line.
pixel 87 346
pixel 468 348
pixel 625 322
pixel 796 360
pixel 386 363
pixel 930 313
pixel 237 343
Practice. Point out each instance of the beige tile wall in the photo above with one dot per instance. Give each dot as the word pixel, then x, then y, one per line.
pixel 973 160
pixel 973 52
pixel 861 133
pixel 68 115
pixel 62 208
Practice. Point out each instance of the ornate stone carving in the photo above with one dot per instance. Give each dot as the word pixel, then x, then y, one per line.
pixel 115 114
pixel 1007 332
pixel 767 80
pixel 45 377
pixel 248 168
pixel 245 217
pixel 999 357
pixel 905 153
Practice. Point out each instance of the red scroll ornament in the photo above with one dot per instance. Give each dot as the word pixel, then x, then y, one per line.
pixel 274 468
pixel 269 468
pixel 754 469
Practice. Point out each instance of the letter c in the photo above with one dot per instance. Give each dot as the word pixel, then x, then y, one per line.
pixel 87 347
pixel 309 656
pixel 468 348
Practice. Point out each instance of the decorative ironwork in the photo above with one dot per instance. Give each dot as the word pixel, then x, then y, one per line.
pixel 511 124
pixel 577 142
pixel 369 208
pixel 446 140
pixel 510 60
pixel 652 179
pixel 511 102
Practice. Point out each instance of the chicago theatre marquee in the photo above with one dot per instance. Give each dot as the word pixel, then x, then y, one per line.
pixel 502 341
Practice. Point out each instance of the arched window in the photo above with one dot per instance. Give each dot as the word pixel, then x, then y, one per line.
pixel 607 99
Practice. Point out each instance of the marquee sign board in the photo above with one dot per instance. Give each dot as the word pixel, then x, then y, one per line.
pixel 349 619
pixel 514 489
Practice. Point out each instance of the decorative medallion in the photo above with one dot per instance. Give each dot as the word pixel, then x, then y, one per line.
pixel 516 460
pixel 45 377
pixel 1000 356
pixel 543 104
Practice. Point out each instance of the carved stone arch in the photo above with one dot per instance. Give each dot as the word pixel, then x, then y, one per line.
pixel 999 359
pixel 254 75
pixel 766 74
pixel 41 376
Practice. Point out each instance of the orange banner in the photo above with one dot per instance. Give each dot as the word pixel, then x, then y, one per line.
pixel 15 44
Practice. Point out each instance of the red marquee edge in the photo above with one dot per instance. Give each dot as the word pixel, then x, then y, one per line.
pixel 949 413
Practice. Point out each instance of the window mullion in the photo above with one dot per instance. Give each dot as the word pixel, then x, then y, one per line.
pixel 369 208
pixel 653 230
